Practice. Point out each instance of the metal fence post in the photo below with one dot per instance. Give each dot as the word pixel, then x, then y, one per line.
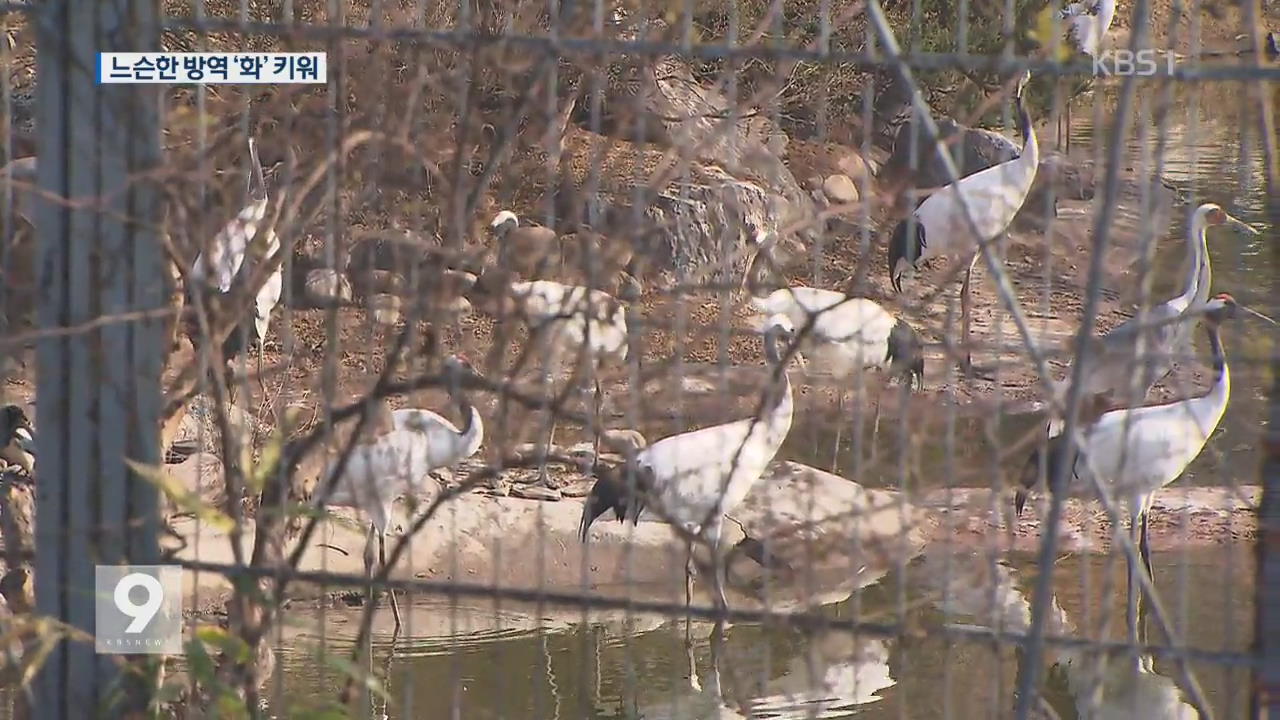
pixel 1266 691
pixel 98 390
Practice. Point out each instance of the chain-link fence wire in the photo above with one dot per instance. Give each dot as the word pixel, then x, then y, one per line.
pixel 681 161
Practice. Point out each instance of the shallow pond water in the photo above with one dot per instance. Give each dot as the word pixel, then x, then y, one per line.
pixel 526 663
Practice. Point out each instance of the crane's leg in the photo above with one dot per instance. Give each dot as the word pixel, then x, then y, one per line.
pixel 1131 614
pixel 1144 546
pixel 717 565
pixel 875 425
pixel 835 455
pixel 368 564
pixel 688 586
pixel 543 477
pixel 599 428
pixel 229 379
pixel 966 308
pixel 548 388
pixel 262 345
pixel 382 562
pixel 1057 139
pixel 1068 138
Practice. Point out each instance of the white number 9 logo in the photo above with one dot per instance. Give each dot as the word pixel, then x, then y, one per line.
pixel 141 613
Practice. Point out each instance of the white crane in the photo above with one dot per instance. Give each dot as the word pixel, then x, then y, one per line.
pixel 939 226
pixel 1137 451
pixel 563 320
pixel 395 457
pixel 523 249
pixel 17 438
pixel 227 252
pixel 1116 361
pixel 1116 688
pixel 1087 23
pixel 583 257
pixel 848 336
pixel 1084 26
pixel 447 444
pixel 693 479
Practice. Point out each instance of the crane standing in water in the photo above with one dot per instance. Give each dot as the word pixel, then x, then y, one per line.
pixel 694 478
pixel 1134 452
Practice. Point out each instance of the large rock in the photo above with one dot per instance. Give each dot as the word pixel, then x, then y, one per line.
pixel 809 520
pixel 200 475
pixel 199 427
pixel 665 96
pixel 326 287
pixel 737 183
pixel 840 190
pixel 702 219
pixel 857 535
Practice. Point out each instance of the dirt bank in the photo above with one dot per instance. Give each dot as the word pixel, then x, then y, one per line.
pixel 1179 518
pixel 817 525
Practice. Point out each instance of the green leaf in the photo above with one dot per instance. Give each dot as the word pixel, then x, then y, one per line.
pixel 231 646
pixel 231 705
pixel 181 497
pixel 1046 27
pixel 199 664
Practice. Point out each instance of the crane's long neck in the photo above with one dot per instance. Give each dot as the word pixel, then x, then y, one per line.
pixel 1220 392
pixel 1106 12
pixel 1030 147
pixel 471 434
pixel 778 403
pixel 255 174
pixel 1195 290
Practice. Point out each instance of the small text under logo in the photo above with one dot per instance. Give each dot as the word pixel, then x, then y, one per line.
pixel 138 609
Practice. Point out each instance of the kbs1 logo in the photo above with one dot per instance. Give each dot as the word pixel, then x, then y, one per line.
pixel 1142 63
pixel 138 609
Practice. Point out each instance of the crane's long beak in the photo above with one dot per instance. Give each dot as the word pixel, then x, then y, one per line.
pixel 1242 225
pixel 1251 311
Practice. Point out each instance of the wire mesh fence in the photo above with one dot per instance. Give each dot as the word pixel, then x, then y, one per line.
pixel 686 360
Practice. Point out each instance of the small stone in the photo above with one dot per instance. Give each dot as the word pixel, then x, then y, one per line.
pixel 383 281
pixel 621 440
pixel 456 307
pixel 696 385
pixel 578 489
pixel 384 309
pixel 500 489
pixel 853 165
pixel 536 492
pixel 327 287
pixel 840 190
pixel 461 280
pixel 444 476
